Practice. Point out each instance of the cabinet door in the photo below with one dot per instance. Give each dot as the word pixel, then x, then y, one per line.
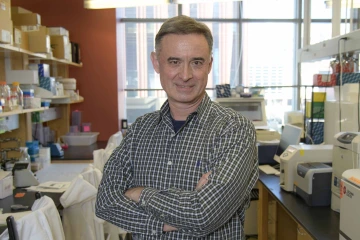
pixel 302 234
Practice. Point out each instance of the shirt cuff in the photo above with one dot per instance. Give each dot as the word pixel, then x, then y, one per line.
pixel 145 196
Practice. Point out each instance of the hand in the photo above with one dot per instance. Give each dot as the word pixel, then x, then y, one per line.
pixel 168 228
pixel 203 180
pixel 134 193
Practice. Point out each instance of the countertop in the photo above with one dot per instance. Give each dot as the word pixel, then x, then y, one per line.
pixel 319 222
pixel 80 153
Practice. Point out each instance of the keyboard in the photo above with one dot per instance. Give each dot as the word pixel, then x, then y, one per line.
pixel 269 169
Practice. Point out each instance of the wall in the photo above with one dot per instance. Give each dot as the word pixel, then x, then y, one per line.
pixel 95 31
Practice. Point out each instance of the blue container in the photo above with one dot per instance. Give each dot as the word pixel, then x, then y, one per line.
pixel 33 150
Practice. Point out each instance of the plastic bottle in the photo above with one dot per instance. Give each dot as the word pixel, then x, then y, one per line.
pixel 5 96
pixel 24 156
pixel 17 96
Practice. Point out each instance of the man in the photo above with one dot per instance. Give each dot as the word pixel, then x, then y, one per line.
pixel 187 170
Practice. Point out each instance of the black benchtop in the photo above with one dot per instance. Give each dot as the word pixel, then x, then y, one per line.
pixel 81 152
pixel 319 222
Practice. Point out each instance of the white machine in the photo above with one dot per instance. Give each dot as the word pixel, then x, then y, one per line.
pixel 349 205
pixel 252 108
pixel 295 154
pixel 348 119
pixel 23 177
pixel 313 183
pixel 345 156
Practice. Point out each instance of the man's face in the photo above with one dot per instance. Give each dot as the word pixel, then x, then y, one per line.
pixel 183 63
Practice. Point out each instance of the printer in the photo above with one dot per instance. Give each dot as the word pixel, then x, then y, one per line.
pixel 295 154
pixel 313 183
pixel 345 156
pixel 349 205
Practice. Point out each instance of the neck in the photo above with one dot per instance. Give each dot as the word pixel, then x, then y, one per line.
pixel 180 112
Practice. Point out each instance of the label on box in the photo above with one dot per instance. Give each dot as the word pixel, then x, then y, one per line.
pixel 17 36
pixel 2 5
pixel 29 28
pixel 5 36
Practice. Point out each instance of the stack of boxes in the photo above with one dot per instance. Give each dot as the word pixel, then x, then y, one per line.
pixel 28 32
pixel 22 28
pixel 6 24
pixel 315 118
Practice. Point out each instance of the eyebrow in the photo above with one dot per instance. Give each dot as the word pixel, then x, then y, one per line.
pixel 193 59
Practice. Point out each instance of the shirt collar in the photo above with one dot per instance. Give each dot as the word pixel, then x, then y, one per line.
pixel 201 112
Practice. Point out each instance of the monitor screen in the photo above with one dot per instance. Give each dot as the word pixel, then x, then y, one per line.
pixel 290 136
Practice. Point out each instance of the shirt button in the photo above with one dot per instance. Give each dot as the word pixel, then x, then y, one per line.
pixel 169 163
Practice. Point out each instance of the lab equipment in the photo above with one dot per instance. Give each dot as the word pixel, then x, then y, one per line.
pixel 266 153
pixel 345 156
pixel 313 183
pixel 253 108
pixel 290 136
pixel 337 121
pixel 56 150
pixel 349 205
pixel 23 177
pixel 301 153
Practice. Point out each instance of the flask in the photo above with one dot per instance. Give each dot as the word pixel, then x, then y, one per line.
pixel 17 96
pixel 5 97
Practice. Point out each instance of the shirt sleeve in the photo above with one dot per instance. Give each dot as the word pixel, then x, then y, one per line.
pixel 234 174
pixel 111 203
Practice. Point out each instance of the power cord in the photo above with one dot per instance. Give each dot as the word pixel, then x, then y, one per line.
pixel 340 83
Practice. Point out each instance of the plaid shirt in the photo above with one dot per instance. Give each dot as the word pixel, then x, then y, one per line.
pixel 169 166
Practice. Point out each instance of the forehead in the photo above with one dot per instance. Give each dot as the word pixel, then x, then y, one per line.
pixel 184 43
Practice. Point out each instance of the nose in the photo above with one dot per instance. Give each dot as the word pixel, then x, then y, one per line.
pixel 185 72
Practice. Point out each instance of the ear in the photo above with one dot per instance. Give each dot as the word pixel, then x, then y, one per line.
pixel 155 62
pixel 210 64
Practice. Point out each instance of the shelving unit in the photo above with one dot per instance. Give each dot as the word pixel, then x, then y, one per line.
pixel 330 48
pixel 333 48
pixel 19 59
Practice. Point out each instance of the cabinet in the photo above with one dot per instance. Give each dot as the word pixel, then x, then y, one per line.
pixel 17 59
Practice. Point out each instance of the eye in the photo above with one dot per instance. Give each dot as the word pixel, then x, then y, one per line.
pixel 174 62
pixel 198 63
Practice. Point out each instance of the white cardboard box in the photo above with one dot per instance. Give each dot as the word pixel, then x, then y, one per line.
pixel 6 184
pixel 22 76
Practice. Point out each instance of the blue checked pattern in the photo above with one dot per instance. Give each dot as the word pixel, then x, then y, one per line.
pixel 169 166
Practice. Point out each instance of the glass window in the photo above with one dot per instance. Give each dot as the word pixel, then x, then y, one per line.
pixel 220 10
pixel 265 9
pixel 159 11
pixel 320 10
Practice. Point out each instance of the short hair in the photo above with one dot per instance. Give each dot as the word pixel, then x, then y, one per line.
pixel 183 25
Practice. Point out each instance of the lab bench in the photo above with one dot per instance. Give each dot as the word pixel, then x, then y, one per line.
pixel 283 215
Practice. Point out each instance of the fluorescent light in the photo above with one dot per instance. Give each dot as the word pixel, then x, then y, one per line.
pixel 344 3
pixel 200 1
pixel 98 4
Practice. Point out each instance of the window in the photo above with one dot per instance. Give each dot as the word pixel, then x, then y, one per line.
pixel 255 44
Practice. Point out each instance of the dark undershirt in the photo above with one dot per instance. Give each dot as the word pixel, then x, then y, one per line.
pixel 177 124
